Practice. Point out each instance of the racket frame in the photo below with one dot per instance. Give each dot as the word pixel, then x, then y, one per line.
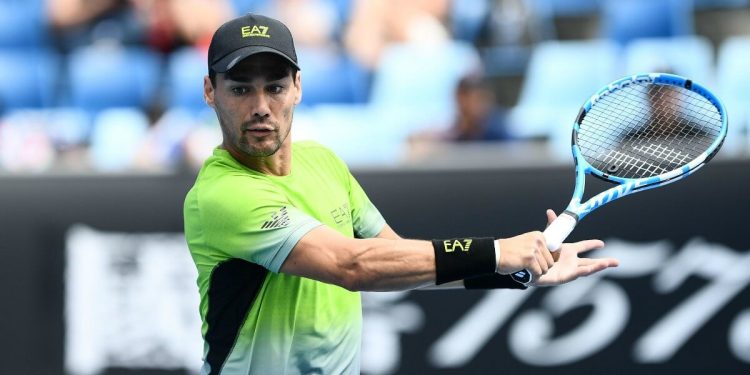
pixel 627 186
pixel 576 210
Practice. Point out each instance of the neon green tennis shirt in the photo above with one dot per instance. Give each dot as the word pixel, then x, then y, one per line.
pixel 240 226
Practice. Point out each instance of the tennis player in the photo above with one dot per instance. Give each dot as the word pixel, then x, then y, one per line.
pixel 284 237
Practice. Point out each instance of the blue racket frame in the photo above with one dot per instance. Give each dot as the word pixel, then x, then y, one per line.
pixel 627 186
pixel 576 210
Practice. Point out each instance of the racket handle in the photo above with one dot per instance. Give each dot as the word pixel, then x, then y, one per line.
pixel 554 235
pixel 559 230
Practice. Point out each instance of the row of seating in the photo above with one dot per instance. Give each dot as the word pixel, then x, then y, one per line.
pixel 104 76
pixel 559 74
pixel 23 23
pixel 562 75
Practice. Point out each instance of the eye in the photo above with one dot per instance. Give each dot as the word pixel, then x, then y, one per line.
pixel 239 90
pixel 275 89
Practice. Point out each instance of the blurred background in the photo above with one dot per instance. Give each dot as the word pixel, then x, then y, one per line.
pixel 114 85
pixel 449 112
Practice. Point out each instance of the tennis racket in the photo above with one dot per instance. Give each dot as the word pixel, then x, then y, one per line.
pixel 639 132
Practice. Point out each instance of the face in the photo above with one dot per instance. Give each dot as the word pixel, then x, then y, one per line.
pixel 254 103
pixel 475 102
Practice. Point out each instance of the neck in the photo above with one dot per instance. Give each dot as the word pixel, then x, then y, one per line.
pixel 277 164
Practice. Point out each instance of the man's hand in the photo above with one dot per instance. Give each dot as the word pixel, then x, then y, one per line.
pixel 569 266
pixel 526 251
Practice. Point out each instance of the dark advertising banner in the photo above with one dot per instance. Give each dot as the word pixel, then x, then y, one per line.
pixel 97 279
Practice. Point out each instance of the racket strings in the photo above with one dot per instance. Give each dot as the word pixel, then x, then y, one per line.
pixel 644 130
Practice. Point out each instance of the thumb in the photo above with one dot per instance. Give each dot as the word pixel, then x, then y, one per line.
pixel 551 216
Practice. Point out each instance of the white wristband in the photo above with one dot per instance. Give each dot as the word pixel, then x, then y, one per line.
pixel 497 254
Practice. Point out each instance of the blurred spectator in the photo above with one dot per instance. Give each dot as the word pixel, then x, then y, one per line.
pixel 76 23
pixel 313 23
pixel 511 23
pixel 376 23
pixel 477 119
pixel 164 25
pixel 175 23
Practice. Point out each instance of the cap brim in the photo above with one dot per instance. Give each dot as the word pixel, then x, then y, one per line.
pixel 229 61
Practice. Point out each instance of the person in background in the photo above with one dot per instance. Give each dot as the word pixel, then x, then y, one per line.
pixel 478 117
pixel 376 23
pixel 162 25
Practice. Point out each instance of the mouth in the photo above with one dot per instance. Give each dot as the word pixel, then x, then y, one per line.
pixel 258 131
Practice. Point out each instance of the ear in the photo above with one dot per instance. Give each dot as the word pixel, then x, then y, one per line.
pixel 208 91
pixel 298 86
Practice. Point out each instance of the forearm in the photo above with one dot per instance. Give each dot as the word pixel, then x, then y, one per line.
pixel 494 281
pixel 384 263
pixel 387 265
pixel 386 276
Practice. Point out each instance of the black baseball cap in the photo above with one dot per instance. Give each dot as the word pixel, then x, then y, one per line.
pixel 247 35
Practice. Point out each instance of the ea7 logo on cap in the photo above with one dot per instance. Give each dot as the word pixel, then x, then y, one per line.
pixel 261 31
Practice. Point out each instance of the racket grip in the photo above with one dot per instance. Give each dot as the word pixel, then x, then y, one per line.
pixel 554 235
pixel 559 230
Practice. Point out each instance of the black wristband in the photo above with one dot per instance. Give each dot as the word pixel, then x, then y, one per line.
pixel 494 281
pixel 459 258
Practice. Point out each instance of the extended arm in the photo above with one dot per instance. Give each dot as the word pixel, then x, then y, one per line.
pixel 389 262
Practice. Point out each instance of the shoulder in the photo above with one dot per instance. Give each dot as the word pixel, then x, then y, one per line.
pixel 234 191
pixel 312 147
pixel 317 152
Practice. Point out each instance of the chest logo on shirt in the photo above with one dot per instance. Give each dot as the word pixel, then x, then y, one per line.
pixel 341 214
pixel 280 219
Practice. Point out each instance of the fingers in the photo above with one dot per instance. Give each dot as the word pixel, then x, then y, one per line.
pixel 549 258
pixel 551 216
pixel 536 270
pixel 587 245
pixel 590 266
pixel 610 262
pixel 527 251
pixel 542 254
pixel 535 261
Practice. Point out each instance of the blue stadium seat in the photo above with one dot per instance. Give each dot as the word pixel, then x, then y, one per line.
pixel 331 77
pixel 22 24
pixel 625 20
pixel 64 127
pixel 565 8
pixel 509 60
pixel 544 13
pixel 113 76
pixel 116 138
pixel 248 6
pixel 28 78
pixel 185 71
pixel 733 80
pixel 340 127
pixel 467 18
pixel 560 77
pixel 689 56
pixel 420 80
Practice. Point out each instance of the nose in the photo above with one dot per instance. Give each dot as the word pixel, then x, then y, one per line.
pixel 260 106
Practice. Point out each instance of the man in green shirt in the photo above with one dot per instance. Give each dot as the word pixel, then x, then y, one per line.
pixel 284 238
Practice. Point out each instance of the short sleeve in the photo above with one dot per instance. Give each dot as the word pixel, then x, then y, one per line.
pixel 254 222
pixel 366 219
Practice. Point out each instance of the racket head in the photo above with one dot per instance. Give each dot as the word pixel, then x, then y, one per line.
pixel 648 130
